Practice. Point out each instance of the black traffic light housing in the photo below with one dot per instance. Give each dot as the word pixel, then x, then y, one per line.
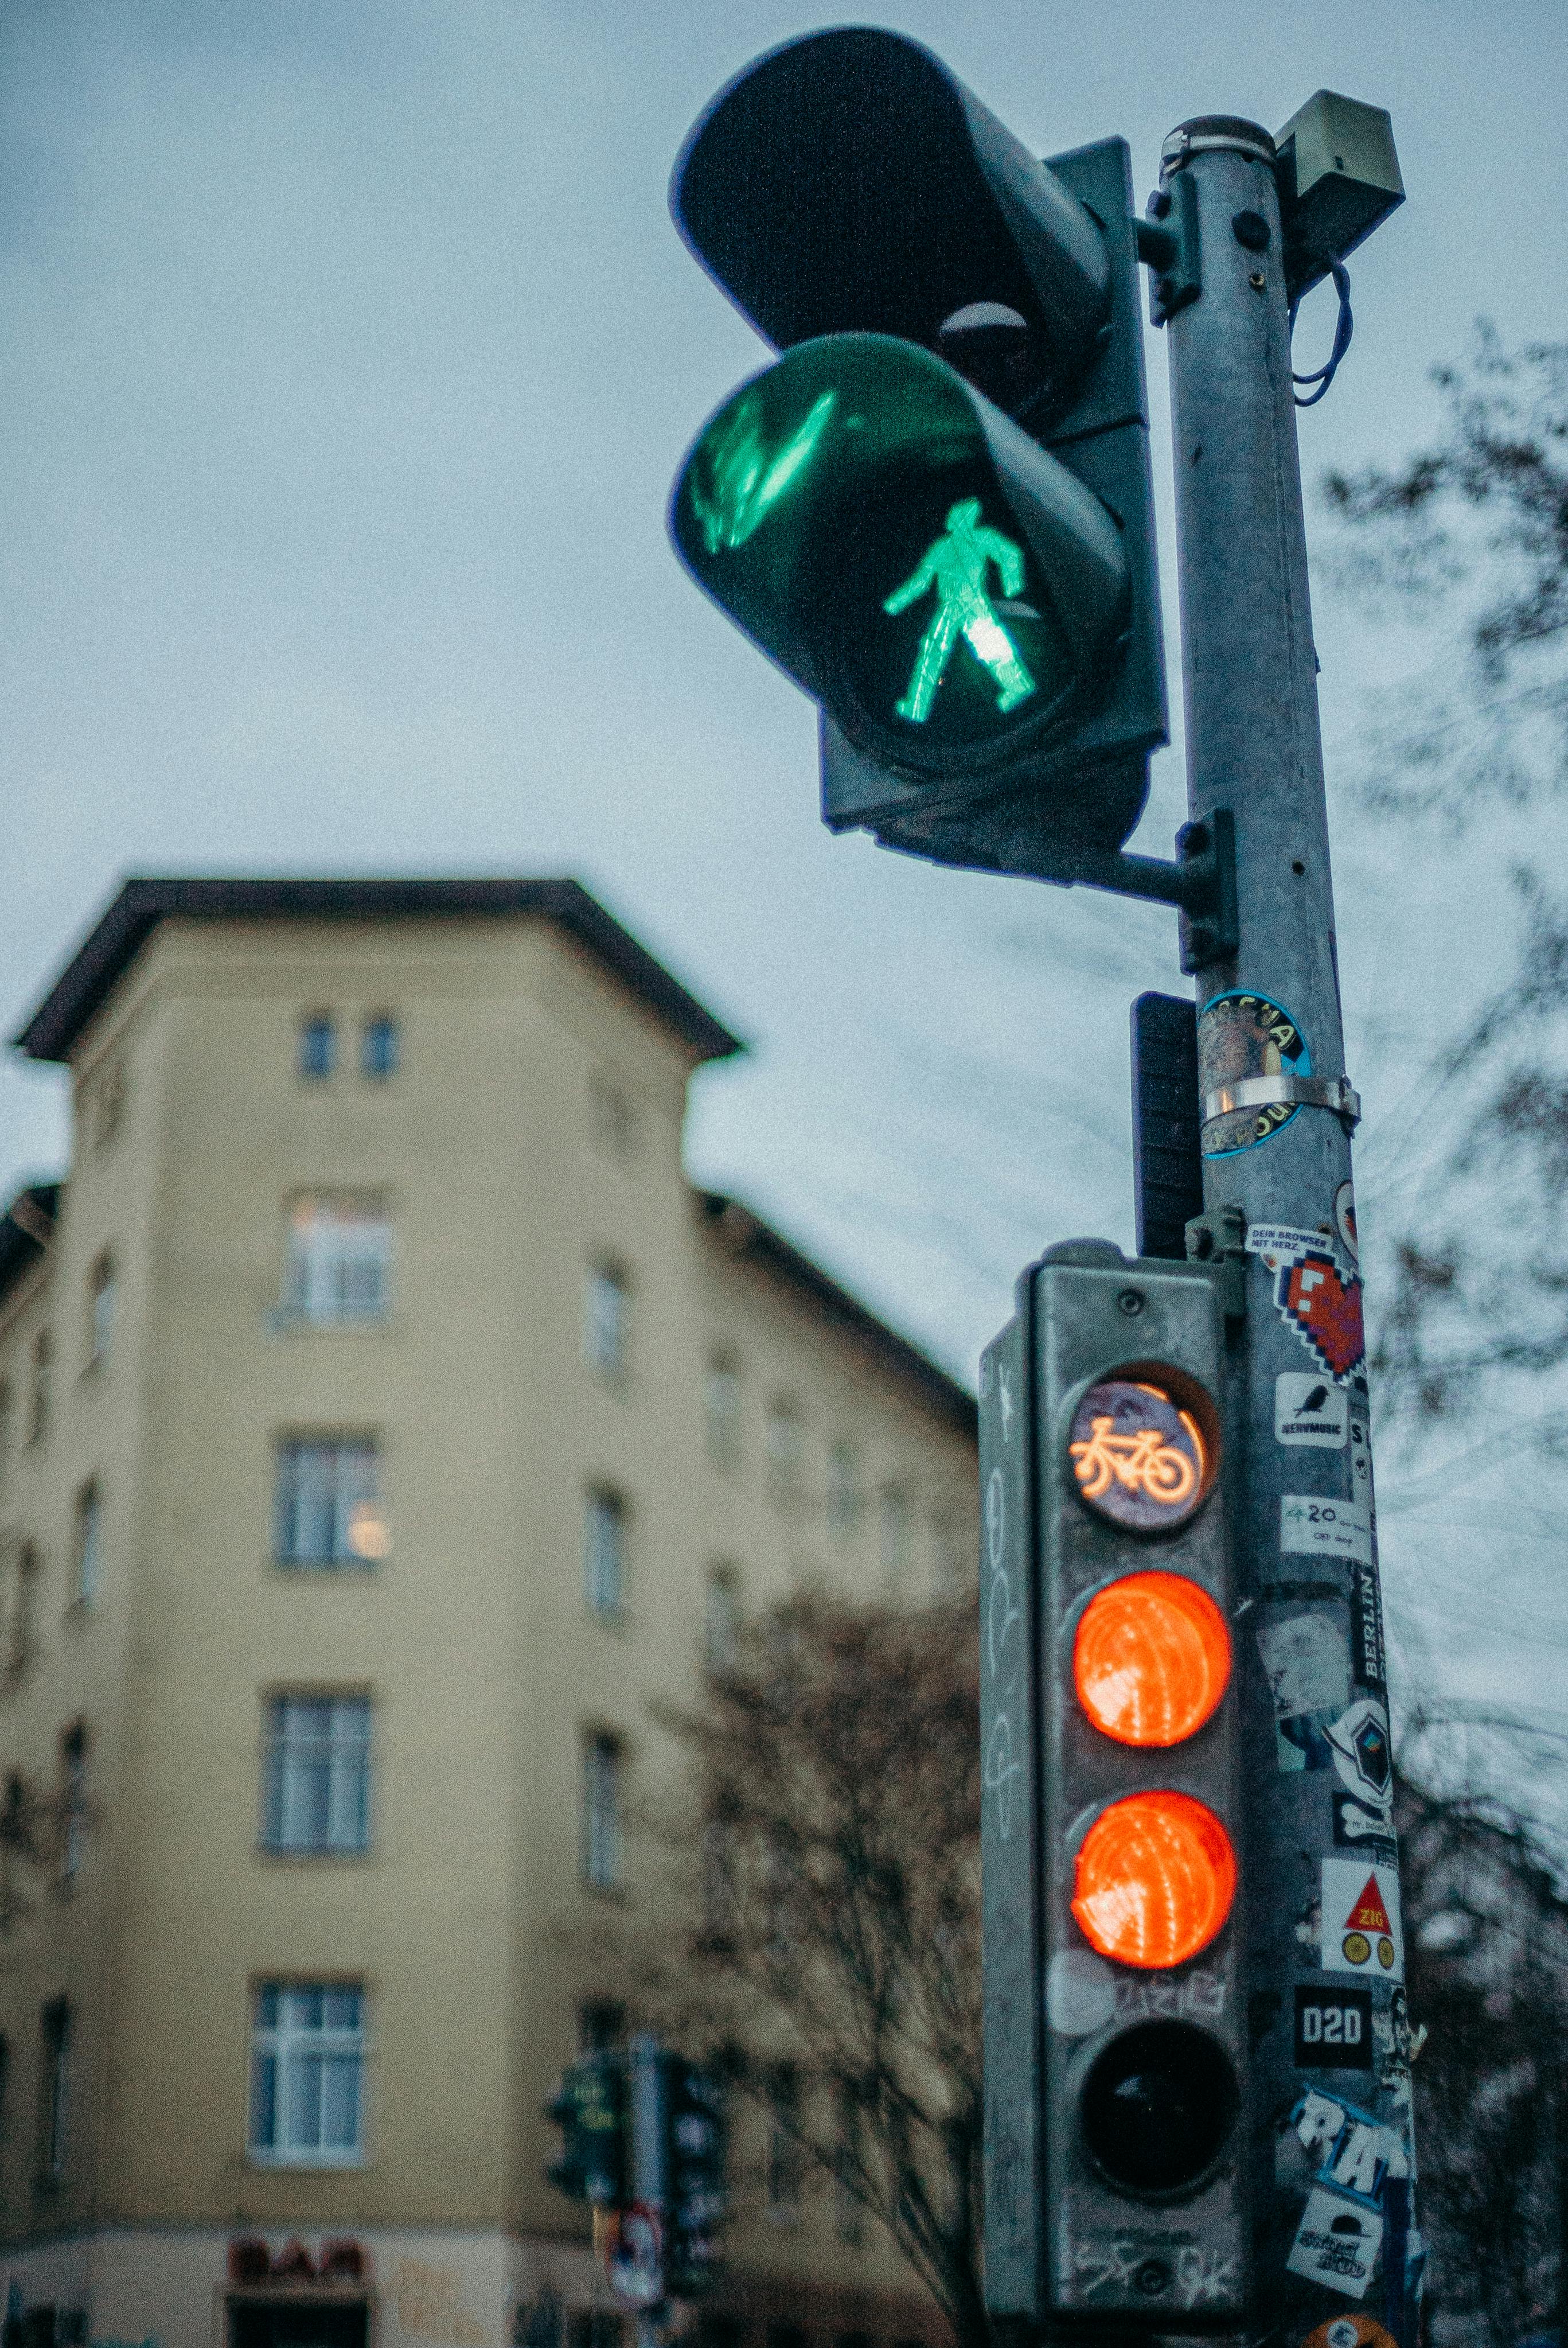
pixel 591 2110
pixel 848 186
pixel 1113 1845
pixel 694 2165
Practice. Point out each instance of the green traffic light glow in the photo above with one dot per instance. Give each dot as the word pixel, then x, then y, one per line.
pixel 737 478
pixel 956 565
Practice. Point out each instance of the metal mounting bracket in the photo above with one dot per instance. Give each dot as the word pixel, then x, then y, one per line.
pixel 1201 884
pixel 1218 1241
pixel 1168 241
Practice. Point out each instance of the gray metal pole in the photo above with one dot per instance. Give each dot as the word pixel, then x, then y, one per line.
pixel 1334 2177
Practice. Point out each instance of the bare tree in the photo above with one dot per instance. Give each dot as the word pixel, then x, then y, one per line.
pixel 835 1830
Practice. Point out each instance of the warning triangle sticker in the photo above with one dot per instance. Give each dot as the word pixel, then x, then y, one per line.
pixel 1369 1914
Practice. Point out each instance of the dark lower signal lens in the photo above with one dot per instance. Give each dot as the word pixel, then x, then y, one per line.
pixel 1158 2107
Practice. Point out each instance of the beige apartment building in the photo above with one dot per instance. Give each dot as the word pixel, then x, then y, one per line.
pixel 387 1423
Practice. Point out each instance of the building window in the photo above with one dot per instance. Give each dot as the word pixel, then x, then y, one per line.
pixel 327 1506
pixel 605 1318
pixel 307 2060
pixel 601 1764
pixel 317 1778
pixel 785 1453
pixel 600 2025
pixel 54 2090
pixel 846 1494
pixel 604 1552
pixel 72 1800
pixel 339 1261
pixel 103 1103
pixel 614 1119
pixel 786 2162
pixel 895 1532
pixel 20 1627
pixel 720 1886
pixel 722 1407
pixel 378 1048
pixel 318 1046
pixel 720 1620
pixel 38 1398
pixel 100 1310
pixel 848 2166
pixel 89 1543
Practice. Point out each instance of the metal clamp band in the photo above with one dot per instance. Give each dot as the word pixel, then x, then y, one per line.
pixel 1210 133
pixel 1335 1093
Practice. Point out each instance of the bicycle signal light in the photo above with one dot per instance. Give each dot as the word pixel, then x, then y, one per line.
pixel 1139 1456
pixel 1154 1880
pixel 1151 1658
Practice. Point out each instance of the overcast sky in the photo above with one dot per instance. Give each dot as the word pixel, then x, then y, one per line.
pixel 347 352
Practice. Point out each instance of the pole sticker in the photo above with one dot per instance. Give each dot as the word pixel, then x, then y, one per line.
pixel 1242 1036
pixel 1337 2243
pixel 1349 2332
pixel 1359 1919
pixel 1316 1294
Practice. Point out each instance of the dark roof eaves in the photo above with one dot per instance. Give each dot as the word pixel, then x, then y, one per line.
pixel 758 1242
pixel 20 1249
pixel 113 944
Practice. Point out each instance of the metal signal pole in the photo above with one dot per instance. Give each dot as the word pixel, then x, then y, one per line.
pixel 1332 2076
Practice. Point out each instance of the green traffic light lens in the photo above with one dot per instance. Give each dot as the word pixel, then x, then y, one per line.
pixel 942 632
pixel 1158 2107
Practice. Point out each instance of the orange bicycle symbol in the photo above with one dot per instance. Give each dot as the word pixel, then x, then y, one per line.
pixel 1140 1461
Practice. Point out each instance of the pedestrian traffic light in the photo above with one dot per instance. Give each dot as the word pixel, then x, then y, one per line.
pixel 694 2174
pixel 934 511
pixel 590 2107
pixel 1112 1845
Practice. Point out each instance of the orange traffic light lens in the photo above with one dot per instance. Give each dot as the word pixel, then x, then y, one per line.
pixel 1151 1658
pixel 1155 1879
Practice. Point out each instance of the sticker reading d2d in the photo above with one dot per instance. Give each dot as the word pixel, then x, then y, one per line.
pixel 1337 2243
pixel 1360 1920
pixel 1242 1036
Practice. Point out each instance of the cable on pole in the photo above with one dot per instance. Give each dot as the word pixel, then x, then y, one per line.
pixel 1344 327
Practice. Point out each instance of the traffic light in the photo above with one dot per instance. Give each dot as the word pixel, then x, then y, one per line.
pixel 693 2172
pixel 934 511
pixel 1113 1846
pixel 590 2107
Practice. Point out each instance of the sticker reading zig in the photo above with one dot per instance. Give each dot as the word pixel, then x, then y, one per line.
pixel 1368 1914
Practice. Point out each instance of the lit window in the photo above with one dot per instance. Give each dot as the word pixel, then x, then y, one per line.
pixel 604 1551
pixel 318 1046
pixel 88 1543
pixel 326 1506
pixel 72 1800
pixel 786 1451
pixel 100 1310
pixel 896 1524
pixel 317 1792
pixel 786 2154
pixel 720 1620
pixel 845 1497
pixel 339 1261
pixel 722 1407
pixel 307 2061
pixel 54 2103
pixel 378 1048
pixel 607 1312
pixel 602 1812
pixel 38 1398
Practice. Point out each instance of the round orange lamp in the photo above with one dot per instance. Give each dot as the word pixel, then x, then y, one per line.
pixel 1155 1879
pixel 1151 1658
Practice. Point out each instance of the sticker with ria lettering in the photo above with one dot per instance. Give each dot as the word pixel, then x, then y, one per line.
pixel 1242 1036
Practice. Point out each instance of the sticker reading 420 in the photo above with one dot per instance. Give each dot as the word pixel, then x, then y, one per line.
pixel 1242 1036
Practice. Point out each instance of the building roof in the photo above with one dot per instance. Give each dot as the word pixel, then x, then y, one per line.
pixel 25 1229
pixel 743 1234
pixel 109 949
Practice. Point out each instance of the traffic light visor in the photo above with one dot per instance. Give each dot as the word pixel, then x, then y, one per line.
pixel 1155 1878
pixel 1151 1659
pixel 940 583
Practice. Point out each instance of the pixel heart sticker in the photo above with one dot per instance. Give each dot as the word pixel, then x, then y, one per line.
pixel 1325 1306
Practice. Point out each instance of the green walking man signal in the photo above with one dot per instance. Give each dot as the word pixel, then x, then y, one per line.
pixel 956 565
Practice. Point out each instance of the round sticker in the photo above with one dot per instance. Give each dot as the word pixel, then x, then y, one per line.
pixel 1243 1035
pixel 1386 1954
pixel 1139 1458
pixel 1345 1221
pixel 1358 1948
pixel 1349 2332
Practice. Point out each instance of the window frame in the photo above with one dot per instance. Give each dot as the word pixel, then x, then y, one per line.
pixel 315 1028
pixel 281 2043
pixel 378 1066
pixel 602 1832
pixel 721 1421
pixel 291 1499
pixel 56 2026
pixel 349 1755
pixel 103 1289
pixel 316 1291
pixel 610 1362
pixel 86 1544
pixel 605 1512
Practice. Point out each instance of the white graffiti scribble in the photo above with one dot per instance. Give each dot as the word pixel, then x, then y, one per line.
pixel 1000 1769
pixel 1202 2277
pixel 1106 2266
